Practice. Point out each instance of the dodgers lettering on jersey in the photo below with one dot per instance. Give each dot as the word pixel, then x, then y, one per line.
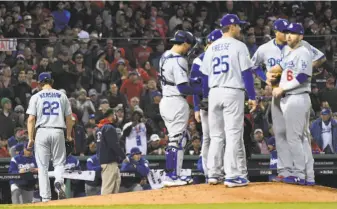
pixel 137 138
pixel 50 106
pixel 21 162
pixel 224 62
pixel 173 68
pixel 268 54
pixel 293 63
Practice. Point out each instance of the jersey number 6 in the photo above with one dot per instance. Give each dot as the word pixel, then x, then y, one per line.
pixel 290 75
pixel 50 108
pixel 220 62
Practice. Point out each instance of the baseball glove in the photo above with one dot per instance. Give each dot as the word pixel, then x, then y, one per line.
pixel 204 104
pixel 277 73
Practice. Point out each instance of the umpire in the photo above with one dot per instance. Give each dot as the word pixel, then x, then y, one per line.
pixel 110 153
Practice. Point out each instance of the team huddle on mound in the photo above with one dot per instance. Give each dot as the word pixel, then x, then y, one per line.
pixel 219 81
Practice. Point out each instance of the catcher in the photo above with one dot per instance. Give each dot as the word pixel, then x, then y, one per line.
pixel 201 106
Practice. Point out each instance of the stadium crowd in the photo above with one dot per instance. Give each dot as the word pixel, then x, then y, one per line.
pixel 106 54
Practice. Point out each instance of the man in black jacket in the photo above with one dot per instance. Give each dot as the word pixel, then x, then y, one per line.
pixel 110 153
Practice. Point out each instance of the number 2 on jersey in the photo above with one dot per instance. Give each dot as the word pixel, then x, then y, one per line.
pixel 220 65
pixel 50 108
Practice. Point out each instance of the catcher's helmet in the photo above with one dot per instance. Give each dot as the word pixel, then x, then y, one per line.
pixel 181 37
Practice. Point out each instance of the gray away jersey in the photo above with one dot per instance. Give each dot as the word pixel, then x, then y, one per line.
pixel 224 62
pixel 293 63
pixel 50 106
pixel 269 54
pixel 173 69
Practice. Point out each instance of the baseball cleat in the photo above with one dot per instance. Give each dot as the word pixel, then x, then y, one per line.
pixel 169 182
pixel 310 183
pixel 293 180
pixel 59 188
pixel 214 181
pixel 278 179
pixel 237 182
pixel 187 179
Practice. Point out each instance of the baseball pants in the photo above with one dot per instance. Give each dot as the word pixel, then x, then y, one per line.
pixel 226 118
pixel 49 145
pixel 92 190
pixel 21 196
pixel 111 178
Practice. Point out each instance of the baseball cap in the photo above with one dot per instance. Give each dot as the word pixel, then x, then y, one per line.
pixel 19 147
pixel 280 25
pixel 109 112
pixel 183 37
pixel 258 130
pixel 43 76
pixel 92 92
pixel 92 116
pixel 135 151
pixel 325 111
pixel 295 28
pixel 271 141
pixel 230 19
pixel 4 101
pixel 214 35
pixel 154 137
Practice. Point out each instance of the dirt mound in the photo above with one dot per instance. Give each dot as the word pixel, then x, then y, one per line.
pixel 255 192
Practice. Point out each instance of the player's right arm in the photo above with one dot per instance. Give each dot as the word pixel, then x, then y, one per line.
pixel 247 74
pixel 68 116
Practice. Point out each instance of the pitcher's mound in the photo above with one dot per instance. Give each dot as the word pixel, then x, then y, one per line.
pixel 255 192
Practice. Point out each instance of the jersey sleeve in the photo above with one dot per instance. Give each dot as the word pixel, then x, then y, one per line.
pixel 316 54
pixel 180 73
pixel 257 58
pixel 244 58
pixel 31 110
pixel 205 67
pixel 66 105
pixel 304 63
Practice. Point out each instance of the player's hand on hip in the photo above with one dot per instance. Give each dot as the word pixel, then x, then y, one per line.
pixel 278 92
pixel 253 105
pixel 197 116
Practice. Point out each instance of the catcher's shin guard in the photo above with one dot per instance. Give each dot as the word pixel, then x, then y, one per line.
pixel 175 155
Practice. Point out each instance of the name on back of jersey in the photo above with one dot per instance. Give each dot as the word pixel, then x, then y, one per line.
pixel 220 47
pixel 50 95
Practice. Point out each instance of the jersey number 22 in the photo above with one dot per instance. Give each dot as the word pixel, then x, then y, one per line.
pixel 50 108
pixel 220 65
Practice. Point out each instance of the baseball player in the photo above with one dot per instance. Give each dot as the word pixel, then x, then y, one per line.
pixel 228 67
pixel 294 88
pixel 23 190
pixel 173 107
pixel 200 113
pixel 49 114
pixel 269 54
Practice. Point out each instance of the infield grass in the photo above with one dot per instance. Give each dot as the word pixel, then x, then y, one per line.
pixel 194 206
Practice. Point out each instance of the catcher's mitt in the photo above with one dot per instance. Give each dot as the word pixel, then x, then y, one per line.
pixel 204 104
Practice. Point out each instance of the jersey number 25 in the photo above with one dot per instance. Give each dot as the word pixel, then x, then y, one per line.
pixel 220 64
pixel 50 108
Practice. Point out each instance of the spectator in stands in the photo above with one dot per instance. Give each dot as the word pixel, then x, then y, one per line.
pixel 120 73
pixel 135 132
pixel 329 94
pixel 110 153
pixel 3 147
pixel 93 187
pixel 61 17
pixel 91 119
pixel 314 98
pixel 115 97
pixel 23 190
pixel 84 73
pixel 261 145
pixel 20 111
pixel 93 95
pixel 22 90
pixel 7 83
pixel 147 98
pixel 85 105
pixel 103 107
pixel 137 164
pixel 195 146
pixel 132 87
pixel 120 116
pixel 134 102
pixel 102 73
pixel 154 147
pixel 79 137
pixel 8 119
pixel 324 132
pixel 150 70
pixel 192 128
pixel 43 66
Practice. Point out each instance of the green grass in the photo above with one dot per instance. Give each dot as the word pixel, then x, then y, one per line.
pixel 196 206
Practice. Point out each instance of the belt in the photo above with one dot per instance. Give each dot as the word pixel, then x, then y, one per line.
pixel 177 96
pixel 306 92
pixel 50 127
pixel 226 87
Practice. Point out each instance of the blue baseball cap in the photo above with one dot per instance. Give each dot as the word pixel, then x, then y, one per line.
pixel 183 37
pixel 271 141
pixel 280 25
pixel 214 35
pixel 231 19
pixel 43 76
pixel 325 111
pixel 295 28
pixel 19 147
pixel 92 116
pixel 135 151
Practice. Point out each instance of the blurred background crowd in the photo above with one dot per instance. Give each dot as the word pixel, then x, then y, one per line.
pixel 106 54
